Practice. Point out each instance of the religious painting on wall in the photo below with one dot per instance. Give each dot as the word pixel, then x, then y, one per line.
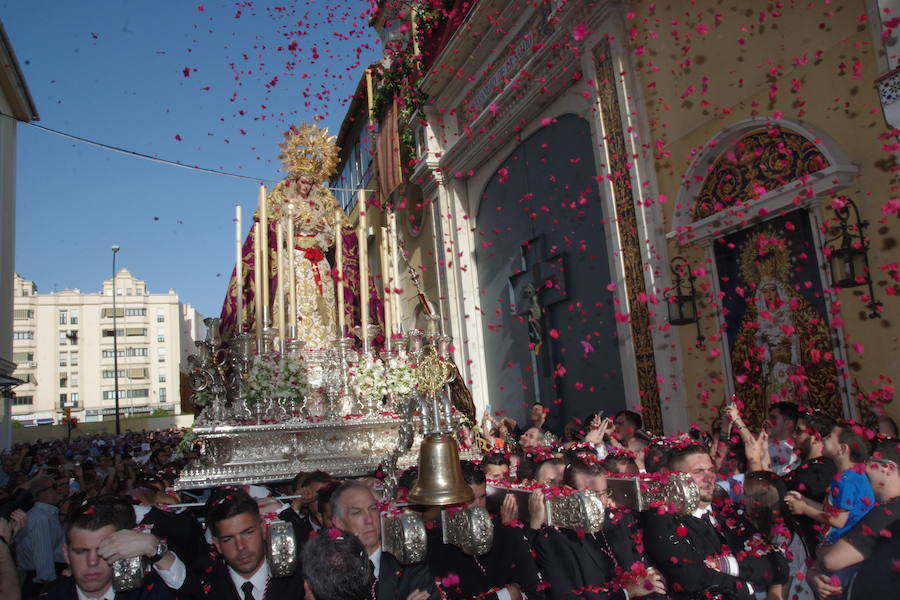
pixel 779 337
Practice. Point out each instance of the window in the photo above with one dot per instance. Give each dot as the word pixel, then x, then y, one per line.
pixel 107 313
pixel 135 312
pixel 63 317
pixel 73 359
pixel 160 334
pixel 73 317
pixel 135 331
pixel 138 373
pixel 111 333
pixel 63 359
pixel 73 400
pixel 73 337
pixel 23 313
pixel 162 394
pixel 136 352
pixel 160 315
pixel 63 380
pixel 23 357
pixel 162 355
pixel 111 394
pixel 22 400
pixel 111 354
pixel 111 373
pixel 23 335
pixel 63 338
pixel 73 380
pixel 62 400
pixel 162 374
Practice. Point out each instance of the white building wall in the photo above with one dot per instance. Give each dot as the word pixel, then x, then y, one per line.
pixel 150 347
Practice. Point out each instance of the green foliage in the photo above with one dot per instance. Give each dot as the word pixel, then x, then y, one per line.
pixel 160 412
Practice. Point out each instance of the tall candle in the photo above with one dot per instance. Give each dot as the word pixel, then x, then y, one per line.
pixel 264 249
pixel 362 235
pixel 339 269
pixel 279 303
pixel 386 287
pixel 238 270
pixel 395 268
pixel 292 275
pixel 257 286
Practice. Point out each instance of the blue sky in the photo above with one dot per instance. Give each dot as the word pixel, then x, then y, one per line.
pixel 140 75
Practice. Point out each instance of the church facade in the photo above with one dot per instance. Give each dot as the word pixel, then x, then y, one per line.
pixel 630 205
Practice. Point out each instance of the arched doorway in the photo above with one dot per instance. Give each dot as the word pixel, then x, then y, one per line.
pixel 753 199
pixel 543 271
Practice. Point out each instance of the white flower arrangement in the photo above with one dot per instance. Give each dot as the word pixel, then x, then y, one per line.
pixel 276 376
pixel 260 383
pixel 401 376
pixel 369 379
pixel 291 381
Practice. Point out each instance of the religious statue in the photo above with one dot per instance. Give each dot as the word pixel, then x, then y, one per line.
pixel 304 224
pixel 308 212
pixel 783 349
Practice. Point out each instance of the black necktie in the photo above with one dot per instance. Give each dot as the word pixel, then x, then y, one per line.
pixel 248 590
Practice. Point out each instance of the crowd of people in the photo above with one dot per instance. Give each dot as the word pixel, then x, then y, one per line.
pixel 807 507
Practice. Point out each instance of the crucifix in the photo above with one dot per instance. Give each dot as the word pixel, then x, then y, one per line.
pixel 538 283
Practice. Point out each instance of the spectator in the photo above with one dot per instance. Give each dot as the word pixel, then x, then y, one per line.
pixel 849 495
pixel 763 498
pixel 815 471
pixel 40 543
pixel 871 543
pixel 336 568
pixel 780 426
pixel 9 579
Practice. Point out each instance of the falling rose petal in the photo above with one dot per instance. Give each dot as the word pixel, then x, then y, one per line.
pixel 858 348
pixel 554 334
pixel 580 32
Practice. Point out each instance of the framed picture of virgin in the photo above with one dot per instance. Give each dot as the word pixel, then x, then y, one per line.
pixel 780 342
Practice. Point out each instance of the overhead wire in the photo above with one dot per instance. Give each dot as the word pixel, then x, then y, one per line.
pixel 135 154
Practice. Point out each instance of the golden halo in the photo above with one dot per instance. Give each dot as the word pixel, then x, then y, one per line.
pixel 308 150
pixel 766 255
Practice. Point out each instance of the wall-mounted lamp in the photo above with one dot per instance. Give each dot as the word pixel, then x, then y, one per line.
pixel 681 300
pixel 849 261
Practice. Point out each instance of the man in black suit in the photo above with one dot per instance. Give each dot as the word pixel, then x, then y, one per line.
pixel 713 551
pixel 506 572
pixel 304 511
pixel 355 509
pixel 97 535
pixel 242 571
pixel 182 532
pixel 597 566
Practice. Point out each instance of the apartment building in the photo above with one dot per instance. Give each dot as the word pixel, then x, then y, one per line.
pixel 65 344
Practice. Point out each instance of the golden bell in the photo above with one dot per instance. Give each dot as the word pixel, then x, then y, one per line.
pixel 440 479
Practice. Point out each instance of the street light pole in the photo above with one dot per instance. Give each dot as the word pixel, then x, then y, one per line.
pixel 115 249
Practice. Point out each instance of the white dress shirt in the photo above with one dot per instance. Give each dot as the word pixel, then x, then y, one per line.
pixel 259 580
